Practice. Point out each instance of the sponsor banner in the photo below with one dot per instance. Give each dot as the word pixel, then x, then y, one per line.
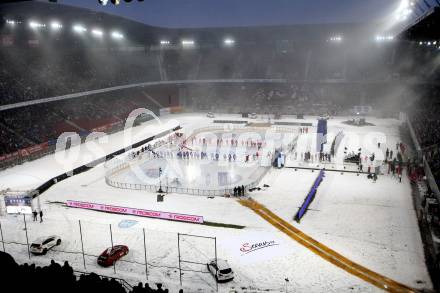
pixel 25 152
pixel 164 111
pixel 135 212
pixel 176 109
pixel 170 110
pixel 7 40
pixel 18 210
pixel 248 247
pixel 101 128
pixel 105 127
pixel 256 247
pixel 9 156
pixel 18 204
pixel 33 149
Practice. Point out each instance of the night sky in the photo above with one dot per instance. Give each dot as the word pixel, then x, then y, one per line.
pixel 220 13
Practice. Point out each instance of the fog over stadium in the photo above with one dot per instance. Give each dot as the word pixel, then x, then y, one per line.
pixel 220 146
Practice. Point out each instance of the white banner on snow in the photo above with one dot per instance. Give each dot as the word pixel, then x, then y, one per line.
pixel 135 212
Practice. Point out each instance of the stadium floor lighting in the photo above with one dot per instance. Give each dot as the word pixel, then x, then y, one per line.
pixel 228 42
pixel 35 25
pixel 97 32
pixel 384 38
pixel 117 35
pixel 164 42
pixel 79 28
pixel 187 43
pixel 55 25
pixel 336 39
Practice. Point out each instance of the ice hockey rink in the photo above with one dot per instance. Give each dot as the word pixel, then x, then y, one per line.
pixel 373 224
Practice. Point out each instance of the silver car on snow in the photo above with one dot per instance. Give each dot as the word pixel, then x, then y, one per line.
pixel 42 245
pixel 220 270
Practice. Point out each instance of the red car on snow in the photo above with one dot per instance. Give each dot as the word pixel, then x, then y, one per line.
pixel 112 254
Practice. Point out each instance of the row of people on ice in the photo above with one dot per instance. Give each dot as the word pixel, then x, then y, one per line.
pixel 200 155
pixel 231 157
pixel 225 142
pixel 303 130
pixel 171 139
pixel 239 191
pixel 313 157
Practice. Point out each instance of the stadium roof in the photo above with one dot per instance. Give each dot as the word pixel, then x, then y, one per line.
pixel 426 27
pixel 145 34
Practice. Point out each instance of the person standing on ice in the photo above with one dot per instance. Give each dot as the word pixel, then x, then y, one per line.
pixel 41 216
pixel 34 215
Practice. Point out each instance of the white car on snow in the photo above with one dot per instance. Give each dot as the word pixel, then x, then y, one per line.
pixel 43 244
pixel 220 270
pixel 210 115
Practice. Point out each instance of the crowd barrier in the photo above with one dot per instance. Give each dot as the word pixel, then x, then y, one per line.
pixel 285 123
pixel 310 197
pixel 231 121
pixel 182 190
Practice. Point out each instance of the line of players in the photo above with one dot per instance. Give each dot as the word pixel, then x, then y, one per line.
pixel 185 153
pixel 249 143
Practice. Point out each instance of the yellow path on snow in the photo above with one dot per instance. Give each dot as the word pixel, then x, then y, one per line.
pixel 325 252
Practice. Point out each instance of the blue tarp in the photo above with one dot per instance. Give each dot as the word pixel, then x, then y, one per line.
pixel 310 197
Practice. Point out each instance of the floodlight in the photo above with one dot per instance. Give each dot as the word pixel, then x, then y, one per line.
pixel 79 29
pixel 35 25
pixel 404 10
pixel 164 42
pixel 117 35
pixel 228 42
pixel 55 25
pixel 336 38
pixel 97 32
pixel 187 43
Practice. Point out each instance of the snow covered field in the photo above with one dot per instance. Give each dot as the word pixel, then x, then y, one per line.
pixel 373 224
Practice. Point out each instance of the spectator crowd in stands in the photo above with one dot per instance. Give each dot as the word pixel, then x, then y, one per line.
pixel 32 74
pixel 32 125
pixel 425 120
pixel 57 278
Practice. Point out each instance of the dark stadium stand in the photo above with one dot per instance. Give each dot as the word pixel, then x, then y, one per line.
pixel 56 278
